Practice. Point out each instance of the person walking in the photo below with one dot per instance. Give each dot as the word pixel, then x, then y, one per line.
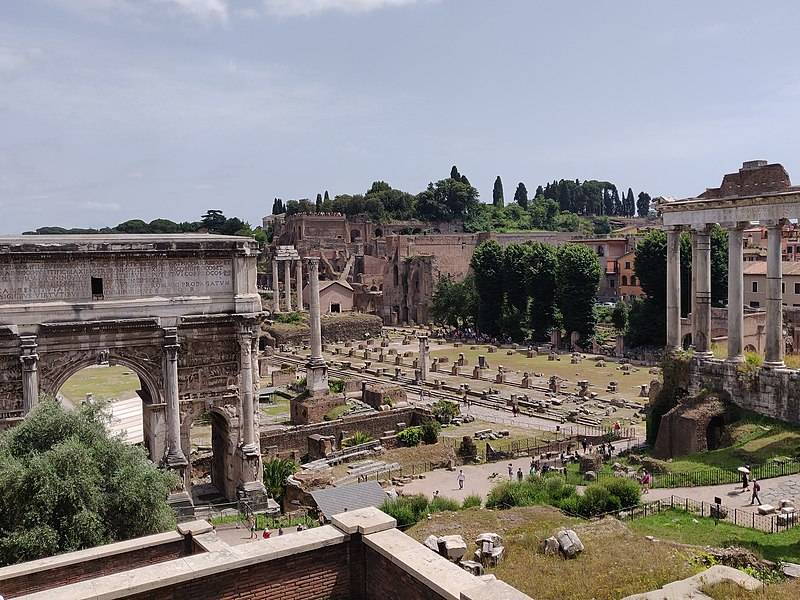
pixel 510 471
pixel 745 482
pixel 461 479
pixel 756 488
pixel 519 474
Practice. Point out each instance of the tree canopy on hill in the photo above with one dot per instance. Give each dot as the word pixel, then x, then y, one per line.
pixel 66 484
pixel 213 221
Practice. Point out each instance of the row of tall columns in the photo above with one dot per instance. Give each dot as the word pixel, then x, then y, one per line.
pixel 701 292
pixel 316 368
pixel 287 289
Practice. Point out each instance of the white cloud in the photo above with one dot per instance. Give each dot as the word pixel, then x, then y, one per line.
pixel 291 8
pixel 209 11
pixel 204 10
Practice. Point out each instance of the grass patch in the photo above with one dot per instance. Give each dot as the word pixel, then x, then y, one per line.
pixel 616 563
pixel 789 590
pixel 681 527
pixel 336 412
pixel 104 383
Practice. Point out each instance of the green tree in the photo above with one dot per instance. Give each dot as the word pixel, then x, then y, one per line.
pixel 213 220
pixel 66 484
pixel 516 259
pixel 318 203
pixel 577 278
pixel 619 316
pixel 454 303
pixel 630 204
pixel 521 195
pixel 276 472
pixel 643 204
pixel 497 192
pixel 487 266
pixel 446 200
pixel 540 280
pixel 719 266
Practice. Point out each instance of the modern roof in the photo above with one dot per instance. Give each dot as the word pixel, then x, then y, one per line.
pixel 759 267
pixel 336 500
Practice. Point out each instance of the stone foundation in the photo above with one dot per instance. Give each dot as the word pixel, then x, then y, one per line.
pixel 770 392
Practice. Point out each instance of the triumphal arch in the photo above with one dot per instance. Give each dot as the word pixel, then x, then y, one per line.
pixel 181 311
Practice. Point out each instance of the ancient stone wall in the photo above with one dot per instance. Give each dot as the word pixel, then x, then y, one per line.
pixel 294 440
pixel 388 581
pixel 770 392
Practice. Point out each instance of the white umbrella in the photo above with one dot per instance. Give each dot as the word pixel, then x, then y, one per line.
pixel 744 470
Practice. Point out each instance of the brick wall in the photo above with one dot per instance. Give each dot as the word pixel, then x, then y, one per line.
pixel 81 571
pixel 374 424
pixel 319 574
pixel 387 581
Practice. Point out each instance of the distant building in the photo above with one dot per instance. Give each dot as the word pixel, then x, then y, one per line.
pixel 334 296
pixel 755 284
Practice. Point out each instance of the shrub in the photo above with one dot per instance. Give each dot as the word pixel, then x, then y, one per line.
pixel 407 510
pixel 430 431
pixel 472 501
pixel 410 436
pixel 336 386
pixel 467 449
pixel 440 504
pixel 627 490
pixel 292 318
pixel 444 410
pixel 358 438
pixel 594 501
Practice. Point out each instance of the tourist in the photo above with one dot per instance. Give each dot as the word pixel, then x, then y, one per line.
pixel 745 482
pixel 252 529
pixel 280 530
pixel 645 482
pixel 510 471
pixel 756 488
pixel 461 479
pixel 266 533
pixel 519 474
pixel 585 445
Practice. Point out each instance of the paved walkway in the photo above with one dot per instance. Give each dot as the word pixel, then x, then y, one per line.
pixel 480 479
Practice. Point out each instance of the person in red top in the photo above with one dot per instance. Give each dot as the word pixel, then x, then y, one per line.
pixel 266 533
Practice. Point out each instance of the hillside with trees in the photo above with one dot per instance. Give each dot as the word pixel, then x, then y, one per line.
pixel 563 205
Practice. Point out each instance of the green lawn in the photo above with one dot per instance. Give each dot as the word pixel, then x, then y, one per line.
pixel 104 383
pixel 276 409
pixel 687 528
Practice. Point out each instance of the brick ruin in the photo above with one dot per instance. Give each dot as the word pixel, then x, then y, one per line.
pixel 359 556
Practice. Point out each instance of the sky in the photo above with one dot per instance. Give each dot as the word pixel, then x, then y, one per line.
pixel 119 109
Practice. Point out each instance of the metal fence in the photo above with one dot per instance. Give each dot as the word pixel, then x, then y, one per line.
pixel 743 518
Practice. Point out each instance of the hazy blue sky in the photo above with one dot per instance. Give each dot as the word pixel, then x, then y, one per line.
pixel 116 109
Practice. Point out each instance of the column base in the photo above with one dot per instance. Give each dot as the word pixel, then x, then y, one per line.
pixel 176 460
pixel 317 377
pixel 704 355
pixel 774 364
pixel 738 359
pixel 182 505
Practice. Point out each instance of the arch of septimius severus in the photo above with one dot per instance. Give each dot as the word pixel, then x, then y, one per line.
pixel 759 193
pixel 180 311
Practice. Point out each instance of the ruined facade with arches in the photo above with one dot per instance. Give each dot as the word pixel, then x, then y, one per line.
pixel 179 311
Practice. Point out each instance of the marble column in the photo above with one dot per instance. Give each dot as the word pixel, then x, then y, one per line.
pixel 735 294
pixel 175 456
pixel 298 282
pixel 423 357
pixel 30 373
pixel 276 288
pixel 316 368
pixel 693 286
pixel 287 284
pixel 247 418
pixel 774 343
pixel 673 289
pixel 701 270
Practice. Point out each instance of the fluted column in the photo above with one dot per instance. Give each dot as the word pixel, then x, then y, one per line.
pixel 693 288
pixel 175 456
pixel 316 368
pixel 30 373
pixel 276 288
pixel 701 270
pixel 423 357
pixel 298 282
pixel 247 418
pixel 287 284
pixel 735 293
pixel 774 344
pixel 673 289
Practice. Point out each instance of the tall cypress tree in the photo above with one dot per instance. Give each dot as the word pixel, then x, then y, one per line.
pixel 539 191
pixel 454 174
pixel 318 204
pixel 327 197
pixel 521 195
pixel 497 192
pixel 630 204
pixel 275 206
pixel 617 202
pixel 643 204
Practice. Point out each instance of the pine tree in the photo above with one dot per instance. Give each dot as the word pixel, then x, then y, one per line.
pixel 521 195
pixel 497 192
pixel 319 203
pixel 630 204
pixel 540 191
pixel 643 204
pixel 454 174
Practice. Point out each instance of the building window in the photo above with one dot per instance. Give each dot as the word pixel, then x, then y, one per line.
pixel 783 288
pixel 624 280
pixel 755 304
pixel 336 308
pixel 755 286
pixel 627 265
pixel 97 288
pixel 611 283
pixel 797 288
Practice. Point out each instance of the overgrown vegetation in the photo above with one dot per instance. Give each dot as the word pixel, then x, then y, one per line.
pixel 292 318
pixel 336 386
pixel 408 510
pixel 358 438
pixel 430 431
pixel 66 484
pixel 598 498
pixel 276 472
pixel 410 436
pixel 445 410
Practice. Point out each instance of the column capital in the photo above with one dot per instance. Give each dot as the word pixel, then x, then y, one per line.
pixel 313 261
pixel 704 229
pixel 774 223
pixel 674 228
pixel 171 343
